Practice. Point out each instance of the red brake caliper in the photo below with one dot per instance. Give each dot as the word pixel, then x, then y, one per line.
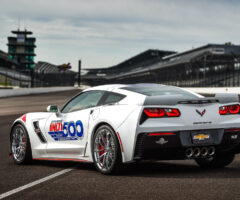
pixel 102 150
pixel 100 147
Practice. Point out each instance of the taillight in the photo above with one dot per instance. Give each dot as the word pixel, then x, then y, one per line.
pixel 154 112
pixel 234 109
pixel 223 110
pixel 160 134
pixel 162 112
pixel 233 130
pixel 172 112
pixel 228 110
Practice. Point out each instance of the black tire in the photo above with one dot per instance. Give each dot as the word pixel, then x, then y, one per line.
pixel 218 161
pixel 27 156
pixel 116 162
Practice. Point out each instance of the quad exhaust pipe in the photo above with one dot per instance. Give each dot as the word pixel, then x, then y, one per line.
pixel 200 152
pixel 204 151
pixel 196 152
pixel 211 151
pixel 189 152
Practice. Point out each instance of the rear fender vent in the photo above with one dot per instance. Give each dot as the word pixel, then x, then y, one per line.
pixel 139 146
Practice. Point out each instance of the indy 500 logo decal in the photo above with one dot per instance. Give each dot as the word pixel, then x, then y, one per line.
pixel 66 130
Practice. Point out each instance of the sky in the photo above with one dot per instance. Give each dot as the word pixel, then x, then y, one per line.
pixel 103 33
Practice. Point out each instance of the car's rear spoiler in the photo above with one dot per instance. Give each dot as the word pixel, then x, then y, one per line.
pixel 178 99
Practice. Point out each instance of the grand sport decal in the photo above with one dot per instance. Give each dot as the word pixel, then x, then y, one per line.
pixel 66 130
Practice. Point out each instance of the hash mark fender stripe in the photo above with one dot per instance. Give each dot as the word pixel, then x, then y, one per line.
pixel 23 118
pixel 119 138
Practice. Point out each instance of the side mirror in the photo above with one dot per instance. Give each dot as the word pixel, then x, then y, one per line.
pixel 54 109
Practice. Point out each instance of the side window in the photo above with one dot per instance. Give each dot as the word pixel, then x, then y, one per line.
pixel 112 98
pixel 83 101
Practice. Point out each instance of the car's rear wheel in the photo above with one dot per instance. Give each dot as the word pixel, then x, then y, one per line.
pixel 106 151
pixel 20 145
pixel 217 161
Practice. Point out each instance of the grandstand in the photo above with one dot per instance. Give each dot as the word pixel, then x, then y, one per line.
pixel 212 65
pixel 46 74
pixel 43 74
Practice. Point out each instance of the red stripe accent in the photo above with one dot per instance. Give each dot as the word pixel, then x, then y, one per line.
pixel 61 159
pixel 154 134
pixel 120 141
pixel 24 118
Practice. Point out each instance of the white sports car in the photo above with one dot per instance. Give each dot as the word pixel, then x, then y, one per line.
pixel 115 124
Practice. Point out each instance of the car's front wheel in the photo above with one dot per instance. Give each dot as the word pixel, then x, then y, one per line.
pixel 20 145
pixel 106 151
pixel 217 161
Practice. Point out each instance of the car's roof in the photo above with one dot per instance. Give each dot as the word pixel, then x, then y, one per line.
pixel 137 88
pixel 106 87
pixel 117 86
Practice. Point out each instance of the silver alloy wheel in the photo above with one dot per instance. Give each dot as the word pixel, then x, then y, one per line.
pixel 104 149
pixel 19 144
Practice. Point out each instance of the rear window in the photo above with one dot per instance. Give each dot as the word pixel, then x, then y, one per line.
pixel 160 90
pixel 111 98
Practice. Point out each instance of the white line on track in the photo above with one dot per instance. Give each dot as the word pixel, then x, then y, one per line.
pixel 24 187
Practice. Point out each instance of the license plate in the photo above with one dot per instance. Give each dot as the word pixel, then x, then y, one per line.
pixel 201 138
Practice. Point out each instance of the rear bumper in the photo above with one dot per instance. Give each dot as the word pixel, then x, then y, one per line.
pixel 174 145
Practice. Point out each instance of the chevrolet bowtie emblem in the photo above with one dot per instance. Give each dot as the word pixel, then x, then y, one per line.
pixel 200 137
pixel 201 113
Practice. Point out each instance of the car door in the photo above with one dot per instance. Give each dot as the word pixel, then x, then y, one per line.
pixel 67 131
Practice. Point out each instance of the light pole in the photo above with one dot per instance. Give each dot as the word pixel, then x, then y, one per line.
pixel 79 72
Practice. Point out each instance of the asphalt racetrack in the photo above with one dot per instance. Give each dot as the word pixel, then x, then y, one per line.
pixel 147 180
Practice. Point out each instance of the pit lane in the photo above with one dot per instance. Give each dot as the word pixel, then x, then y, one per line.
pixel 147 180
